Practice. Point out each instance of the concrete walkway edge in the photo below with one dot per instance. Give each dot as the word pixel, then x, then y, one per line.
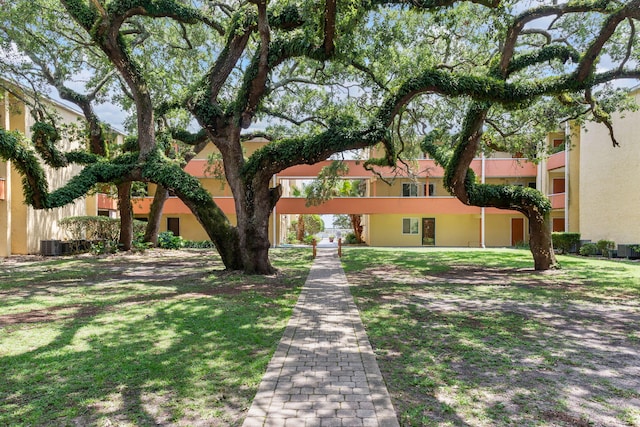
pixel 324 371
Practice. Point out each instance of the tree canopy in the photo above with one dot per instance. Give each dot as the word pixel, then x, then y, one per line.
pixel 331 76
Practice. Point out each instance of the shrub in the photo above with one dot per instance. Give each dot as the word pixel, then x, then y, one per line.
pixel 96 227
pixel 588 249
pixel 565 241
pixel 92 227
pixel 291 237
pixel 166 240
pixel 104 247
pixel 605 247
pixel 308 240
pixel 350 239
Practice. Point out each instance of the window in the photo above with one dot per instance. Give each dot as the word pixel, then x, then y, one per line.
pixel 409 189
pixel 532 185
pixel 409 225
pixel 432 190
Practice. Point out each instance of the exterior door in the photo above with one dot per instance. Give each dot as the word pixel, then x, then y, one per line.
pixel 173 224
pixel 558 186
pixel 428 231
pixel 517 231
pixel 558 224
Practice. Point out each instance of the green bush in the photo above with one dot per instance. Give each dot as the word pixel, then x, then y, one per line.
pixel 588 249
pixel 565 241
pixel 605 247
pixel 104 247
pixel 166 240
pixel 102 231
pixel 308 240
pixel 292 238
pixel 350 239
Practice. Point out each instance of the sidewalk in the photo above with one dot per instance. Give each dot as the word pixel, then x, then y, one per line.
pixel 323 372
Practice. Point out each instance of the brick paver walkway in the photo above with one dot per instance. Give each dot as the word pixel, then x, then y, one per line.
pixel 323 372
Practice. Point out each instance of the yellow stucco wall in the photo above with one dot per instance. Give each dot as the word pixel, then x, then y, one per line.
pixel 249 148
pixel 451 230
pixel 5 173
pixel 574 181
pixel 190 228
pixel 608 197
pixel 394 189
pixel 43 224
pixel 498 229
pixel 22 226
pixel 216 187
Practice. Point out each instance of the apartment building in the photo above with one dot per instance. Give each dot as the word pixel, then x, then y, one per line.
pixel 396 210
pixel 589 182
pixel 22 228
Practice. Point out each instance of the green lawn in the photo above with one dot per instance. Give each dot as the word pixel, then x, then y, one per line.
pixel 477 338
pixel 161 338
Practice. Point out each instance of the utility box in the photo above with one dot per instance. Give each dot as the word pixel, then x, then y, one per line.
pixel 50 247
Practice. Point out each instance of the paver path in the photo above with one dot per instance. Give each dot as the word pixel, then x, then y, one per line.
pixel 323 372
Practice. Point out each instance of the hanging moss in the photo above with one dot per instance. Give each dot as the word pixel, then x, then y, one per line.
pixel 483 195
pixel 44 137
pixel 343 134
pixel 81 184
pixel 158 169
pixel 85 15
pixel 547 53
pixel 14 147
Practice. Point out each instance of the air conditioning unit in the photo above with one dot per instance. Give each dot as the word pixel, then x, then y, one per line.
pixel 50 247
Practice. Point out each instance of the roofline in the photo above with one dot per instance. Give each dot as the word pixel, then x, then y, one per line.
pixel 59 104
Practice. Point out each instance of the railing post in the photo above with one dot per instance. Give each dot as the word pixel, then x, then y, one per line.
pixel 313 243
pixel 340 247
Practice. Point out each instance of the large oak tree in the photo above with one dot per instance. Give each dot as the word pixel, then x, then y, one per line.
pixel 345 75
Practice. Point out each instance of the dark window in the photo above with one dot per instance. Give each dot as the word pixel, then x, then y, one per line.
pixel 409 189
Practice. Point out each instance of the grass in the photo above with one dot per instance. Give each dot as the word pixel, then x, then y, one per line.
pixel 162 338
pixel 477 338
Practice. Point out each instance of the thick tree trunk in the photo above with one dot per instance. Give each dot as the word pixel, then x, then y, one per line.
pixel 155 215
pixel 300 228
pixel 540 242
pixel 126 215
pixel 253 214
pixel 460 181
pixel 356 224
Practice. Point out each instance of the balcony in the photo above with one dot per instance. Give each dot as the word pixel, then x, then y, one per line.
pixel 107 203
pixel 174 206
pixel 340 205
pixel 556 161
pixel 383 205
pixel 557 200
pixel 496 168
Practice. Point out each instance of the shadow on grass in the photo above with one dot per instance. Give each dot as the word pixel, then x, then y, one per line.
pixel 511 348
pixel 178 354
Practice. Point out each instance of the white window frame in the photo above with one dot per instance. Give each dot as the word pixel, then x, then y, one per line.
pixel 411 223
pixel 412 185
